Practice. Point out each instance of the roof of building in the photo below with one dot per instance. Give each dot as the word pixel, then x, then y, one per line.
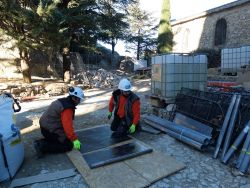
pixel 210 11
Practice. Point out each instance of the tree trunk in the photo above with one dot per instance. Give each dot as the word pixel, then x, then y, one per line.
pixel 25 66
pixel 138 50
pixel 51 64
pixel 113 47
pixel 66 65
pixel 138 45
pixel 113 43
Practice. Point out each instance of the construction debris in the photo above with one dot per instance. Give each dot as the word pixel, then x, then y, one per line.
pixel 100 78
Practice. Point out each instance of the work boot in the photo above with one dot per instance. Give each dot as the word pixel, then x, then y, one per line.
pixel 37 147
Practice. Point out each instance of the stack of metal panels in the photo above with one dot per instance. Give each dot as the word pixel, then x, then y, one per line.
pixel 180 132
pixel 229 116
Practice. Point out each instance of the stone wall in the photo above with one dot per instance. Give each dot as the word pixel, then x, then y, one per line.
pixel 198 31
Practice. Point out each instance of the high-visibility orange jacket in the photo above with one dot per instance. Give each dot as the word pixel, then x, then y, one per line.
pixel 121 110
pixel 67 123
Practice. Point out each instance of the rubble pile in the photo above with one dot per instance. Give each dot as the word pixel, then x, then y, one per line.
pixel 100 78
pixel 38 89
pixel 127 65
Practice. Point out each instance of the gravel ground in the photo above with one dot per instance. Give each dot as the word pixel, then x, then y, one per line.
pixel 201 170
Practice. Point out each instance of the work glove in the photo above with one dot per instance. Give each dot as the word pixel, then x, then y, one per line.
pixel 132 128
pixel 77 144
pixel 109 115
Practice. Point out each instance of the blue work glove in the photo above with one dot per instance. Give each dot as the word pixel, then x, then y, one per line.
pixel 109 115
pixel 77 144
pixel 132 128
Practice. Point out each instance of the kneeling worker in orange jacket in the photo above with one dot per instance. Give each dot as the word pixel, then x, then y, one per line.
pixel 126 106
pixel 56 125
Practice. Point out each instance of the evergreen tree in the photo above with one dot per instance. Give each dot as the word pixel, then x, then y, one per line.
pixel 16 21
pixel 63 22
pixel 46 25
pixel 112 21
pixel 165 35
pixel 142 30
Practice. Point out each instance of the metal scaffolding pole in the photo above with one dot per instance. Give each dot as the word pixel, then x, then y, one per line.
pixel 243 150
pixel 231 126
pixel 224 126
pixel 246 161
pixel 236 143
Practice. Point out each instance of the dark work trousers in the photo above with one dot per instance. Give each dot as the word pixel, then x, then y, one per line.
pixel 119 125
pixel 51 144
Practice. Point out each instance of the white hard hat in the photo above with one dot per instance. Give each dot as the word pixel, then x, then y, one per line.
pixel 125 85
pixel 76 91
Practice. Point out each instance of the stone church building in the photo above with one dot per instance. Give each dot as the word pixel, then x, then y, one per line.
pixel 227 26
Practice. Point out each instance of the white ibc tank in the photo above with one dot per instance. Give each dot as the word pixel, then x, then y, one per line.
pixel 234 59
pixel 171 72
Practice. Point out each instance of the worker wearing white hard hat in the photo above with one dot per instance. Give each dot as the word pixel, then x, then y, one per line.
pixel 126 107
pixel 77 92
pixel 56 125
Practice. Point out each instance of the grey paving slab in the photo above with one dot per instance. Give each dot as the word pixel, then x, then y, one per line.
pixel 155 166
pixel 117 175
pixel 42 178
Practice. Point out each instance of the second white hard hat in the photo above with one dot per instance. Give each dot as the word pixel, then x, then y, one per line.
pixel 125 85
pixel 76 91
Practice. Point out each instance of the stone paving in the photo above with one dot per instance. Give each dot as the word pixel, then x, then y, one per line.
pixel 201 169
